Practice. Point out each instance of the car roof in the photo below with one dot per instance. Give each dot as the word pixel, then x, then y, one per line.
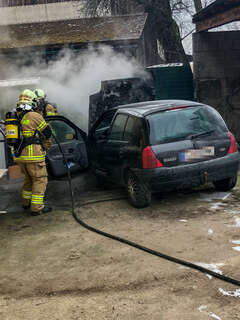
pixel 148 107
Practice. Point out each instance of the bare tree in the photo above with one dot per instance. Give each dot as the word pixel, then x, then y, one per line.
pixel 198 5
pixel 164 27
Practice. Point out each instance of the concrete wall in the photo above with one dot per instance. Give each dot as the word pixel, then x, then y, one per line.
pixel 41 12
pixel 216 57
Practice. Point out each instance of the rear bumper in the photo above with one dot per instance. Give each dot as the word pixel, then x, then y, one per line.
pixel 190 175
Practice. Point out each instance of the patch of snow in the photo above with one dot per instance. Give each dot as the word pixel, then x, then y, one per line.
pixel 210 231
pixel 236 241
pixel 212 315
pixel 201 308
pixel 216 206
pixel 236 248
pixel 237 221
pixel 213 267
pixel 214 196
pixel 183 220
pixel 235 293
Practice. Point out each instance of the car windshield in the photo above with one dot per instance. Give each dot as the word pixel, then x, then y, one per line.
pixel 184 123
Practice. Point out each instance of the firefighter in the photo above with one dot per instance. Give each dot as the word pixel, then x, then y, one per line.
pixel 45 108
pixel 30 155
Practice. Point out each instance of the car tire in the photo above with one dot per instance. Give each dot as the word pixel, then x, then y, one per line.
pixel 225 184
pixel 138 194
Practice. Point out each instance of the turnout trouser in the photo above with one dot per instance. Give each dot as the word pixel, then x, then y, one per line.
pixel 35 183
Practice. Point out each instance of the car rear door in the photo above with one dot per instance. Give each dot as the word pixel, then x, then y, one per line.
pixel 123 146
pixel 72 141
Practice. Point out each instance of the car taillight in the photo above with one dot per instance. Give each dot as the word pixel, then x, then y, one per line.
pixel 233 143
pixel 149 160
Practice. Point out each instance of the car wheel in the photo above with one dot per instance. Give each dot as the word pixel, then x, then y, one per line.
pixel 225 184
pixel 138 194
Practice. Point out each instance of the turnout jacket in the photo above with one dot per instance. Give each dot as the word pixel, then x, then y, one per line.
pixel 33 125
pixel 50 110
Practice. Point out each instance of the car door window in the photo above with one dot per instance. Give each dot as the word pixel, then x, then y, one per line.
pixel 133 132
pixel 118 127
pixel 103 125
pixel 129 129
pixel 63 131
pixel 106 121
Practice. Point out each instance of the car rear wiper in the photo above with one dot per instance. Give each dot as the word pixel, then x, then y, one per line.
pixel 194 136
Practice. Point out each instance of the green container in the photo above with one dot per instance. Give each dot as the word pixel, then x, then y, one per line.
pixel 172 81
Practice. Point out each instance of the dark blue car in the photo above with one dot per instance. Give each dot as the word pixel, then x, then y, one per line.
pixel 163 145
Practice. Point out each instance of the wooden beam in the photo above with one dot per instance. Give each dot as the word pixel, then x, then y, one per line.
pixel 219 19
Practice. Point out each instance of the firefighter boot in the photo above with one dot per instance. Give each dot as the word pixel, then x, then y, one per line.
pixel 42 211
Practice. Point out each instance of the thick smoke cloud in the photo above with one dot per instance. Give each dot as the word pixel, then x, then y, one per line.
pixel 70 79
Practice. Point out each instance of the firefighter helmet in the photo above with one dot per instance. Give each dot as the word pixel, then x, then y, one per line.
pixel 40 93
pixel 27 97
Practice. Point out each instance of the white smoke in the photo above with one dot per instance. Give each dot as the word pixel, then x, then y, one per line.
pixel 71 79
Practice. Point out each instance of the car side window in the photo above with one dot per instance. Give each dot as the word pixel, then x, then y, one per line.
pixel 106 121
pixel 129 129
pixel 118 127
pixel 103 125
pixel 134 132
pixel 63 131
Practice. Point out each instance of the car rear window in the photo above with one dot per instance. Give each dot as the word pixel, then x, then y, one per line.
pixel 177 124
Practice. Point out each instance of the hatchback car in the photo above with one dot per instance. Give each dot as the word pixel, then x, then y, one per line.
pixel 163 145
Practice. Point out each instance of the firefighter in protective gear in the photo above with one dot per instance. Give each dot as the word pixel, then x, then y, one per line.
pixel 30 155
pixel 45 108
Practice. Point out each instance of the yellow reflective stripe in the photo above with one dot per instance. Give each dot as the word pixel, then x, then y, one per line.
pixel 26 195
pixel 42 125
pixel 28 133
pixel 32 158
pixel 30 150
pixel 51 113
pixel 37 199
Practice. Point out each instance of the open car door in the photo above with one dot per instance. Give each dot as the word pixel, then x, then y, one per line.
pixel 73 143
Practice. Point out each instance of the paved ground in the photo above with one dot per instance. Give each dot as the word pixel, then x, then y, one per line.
pixel 51 268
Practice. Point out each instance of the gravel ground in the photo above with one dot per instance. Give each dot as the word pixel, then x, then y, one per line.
pixel 52 268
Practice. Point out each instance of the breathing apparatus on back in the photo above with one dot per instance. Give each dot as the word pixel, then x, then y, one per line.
pixel 12 128
pixel 27 102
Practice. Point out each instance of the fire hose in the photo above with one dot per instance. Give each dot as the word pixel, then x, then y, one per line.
pixel 131 243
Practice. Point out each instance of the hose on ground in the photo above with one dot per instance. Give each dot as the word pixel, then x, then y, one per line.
pixel 131 243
